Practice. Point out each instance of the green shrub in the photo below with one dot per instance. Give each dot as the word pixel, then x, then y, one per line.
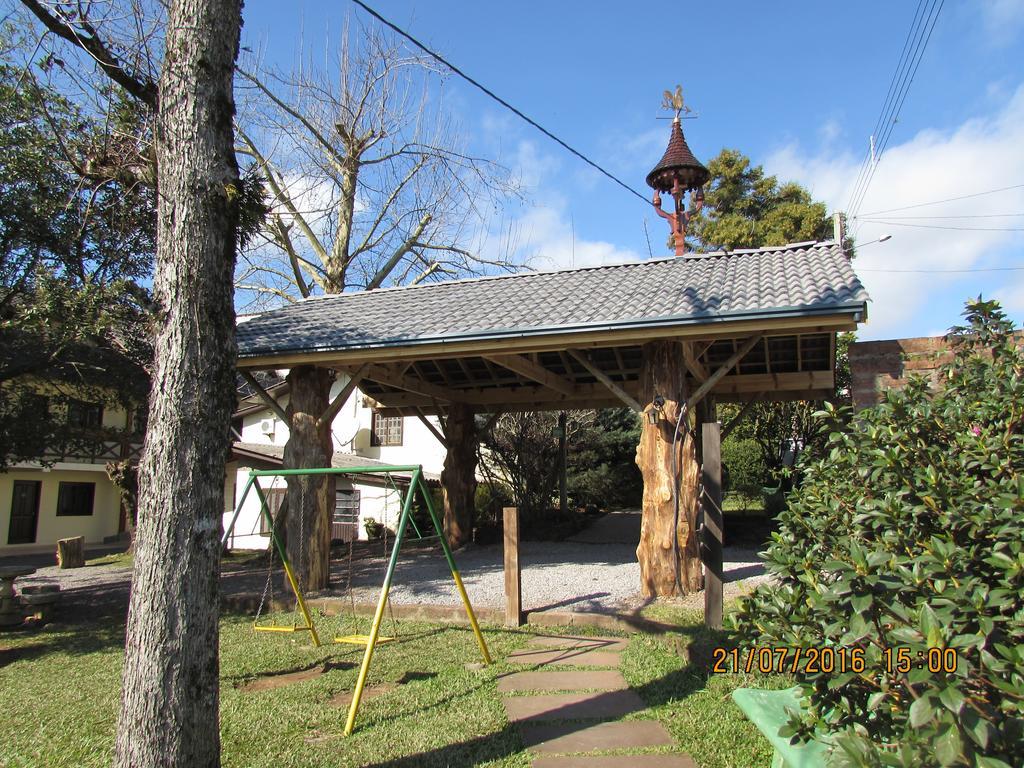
pixel 743 470
pixel 909 533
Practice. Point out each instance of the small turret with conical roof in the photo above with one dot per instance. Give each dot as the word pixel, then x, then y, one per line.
pixel 677 173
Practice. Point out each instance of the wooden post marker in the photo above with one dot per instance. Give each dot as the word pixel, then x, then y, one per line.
pixel 711 543
pixel 513 573
pixel 71 552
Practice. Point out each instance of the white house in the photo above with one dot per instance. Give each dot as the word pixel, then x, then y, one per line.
pixel 361 437
pixel 69 495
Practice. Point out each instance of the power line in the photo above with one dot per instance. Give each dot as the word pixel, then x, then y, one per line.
pixel 946 271
pixel 938 202
pixel 958 216
pixel 869 159
pixel 891 112
pixel 939 226
pixel 497 98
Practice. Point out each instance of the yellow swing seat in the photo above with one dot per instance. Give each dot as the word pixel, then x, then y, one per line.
pixel 279 627
pixel 363 640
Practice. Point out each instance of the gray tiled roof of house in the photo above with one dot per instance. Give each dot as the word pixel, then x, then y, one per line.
pixel 797 279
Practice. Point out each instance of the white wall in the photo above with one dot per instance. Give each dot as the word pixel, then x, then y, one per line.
pixel 351 431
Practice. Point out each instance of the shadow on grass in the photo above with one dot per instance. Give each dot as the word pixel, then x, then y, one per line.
pixel 482 749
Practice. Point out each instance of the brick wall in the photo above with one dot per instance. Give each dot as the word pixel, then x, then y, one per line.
pixel 876 366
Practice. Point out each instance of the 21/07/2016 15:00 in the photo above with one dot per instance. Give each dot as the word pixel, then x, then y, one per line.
pixel 829 660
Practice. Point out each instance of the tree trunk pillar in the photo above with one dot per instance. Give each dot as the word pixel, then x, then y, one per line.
pixel 458 479
pixel 311 497
pixel 668 475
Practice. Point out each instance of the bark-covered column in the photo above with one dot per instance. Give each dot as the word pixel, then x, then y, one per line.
pixel 169 701
pixel 668 476
pixel 458 479
pixel 311 497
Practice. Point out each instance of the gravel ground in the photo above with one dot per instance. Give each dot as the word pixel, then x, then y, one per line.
pixel 596 570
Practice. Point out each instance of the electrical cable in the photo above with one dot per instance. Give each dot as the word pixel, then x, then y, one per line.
pixel 939 202
pixel 894 113
pixel 870 157
pixel 888 223
pixel 950 271
pixel 498 99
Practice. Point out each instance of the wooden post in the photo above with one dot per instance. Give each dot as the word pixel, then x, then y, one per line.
pixel 513 573
pixel 458 478
pixel 711 540
pixel 563 497
pixel 670 475
pixel 71 552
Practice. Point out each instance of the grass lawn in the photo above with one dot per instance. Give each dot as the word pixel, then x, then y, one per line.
pixel 59 690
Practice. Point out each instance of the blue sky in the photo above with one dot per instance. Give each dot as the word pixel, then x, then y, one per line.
pixel 797 86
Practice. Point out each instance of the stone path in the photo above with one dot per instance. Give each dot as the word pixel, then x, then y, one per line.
pixel 565 715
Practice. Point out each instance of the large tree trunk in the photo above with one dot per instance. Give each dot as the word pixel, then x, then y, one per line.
pixel 169 702
pixel 664 374
pixel 458 479
pixel 310 498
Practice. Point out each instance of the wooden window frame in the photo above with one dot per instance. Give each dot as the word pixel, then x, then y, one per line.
pixel 70 494
pixel 376 425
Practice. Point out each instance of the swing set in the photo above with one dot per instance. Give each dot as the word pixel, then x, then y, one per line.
pixel 416 483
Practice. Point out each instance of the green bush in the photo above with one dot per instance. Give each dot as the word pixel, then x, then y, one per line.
pixel 909 534
pixel 743 470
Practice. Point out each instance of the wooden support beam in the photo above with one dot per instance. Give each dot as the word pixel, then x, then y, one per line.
pixel 531 370
pixel 264 395
pixel 727 366
pixel 513 571
pixel 711 531
pixel 583 359
pixel 696 368
pixel 433 430
pixel 342 397
pixel 738 418
pixel 382 375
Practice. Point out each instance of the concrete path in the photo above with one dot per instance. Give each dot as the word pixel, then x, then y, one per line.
pixel 564 716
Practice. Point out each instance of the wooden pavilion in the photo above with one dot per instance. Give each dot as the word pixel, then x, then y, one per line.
pixel 667 337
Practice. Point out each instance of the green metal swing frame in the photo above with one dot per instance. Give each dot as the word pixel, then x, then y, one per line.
pixel 416 483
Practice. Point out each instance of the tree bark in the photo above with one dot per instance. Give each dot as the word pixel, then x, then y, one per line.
pixel 667 477
pixel 169 701
pixel 458 478
pixel 310 498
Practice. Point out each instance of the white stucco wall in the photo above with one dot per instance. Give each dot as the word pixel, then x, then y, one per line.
pixel 351 433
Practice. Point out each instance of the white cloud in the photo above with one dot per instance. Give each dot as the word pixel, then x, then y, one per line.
pixel 1003 19
pixel 982 154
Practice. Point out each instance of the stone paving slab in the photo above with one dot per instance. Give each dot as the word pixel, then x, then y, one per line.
pixel 603 680
pixel 602 705
pixel 580 657
pixel 572 737
pixel 615 761
pixel 591 643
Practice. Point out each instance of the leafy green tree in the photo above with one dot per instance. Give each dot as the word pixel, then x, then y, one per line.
pixel 905 544
pixel 602 469
pixel 746 208
pixel 75 251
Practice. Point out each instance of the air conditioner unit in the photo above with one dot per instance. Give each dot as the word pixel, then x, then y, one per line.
pixel 267 426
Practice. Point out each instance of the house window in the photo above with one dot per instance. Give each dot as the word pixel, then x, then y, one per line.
pixel 345 523
pixel 75 499
pixel 387 430
pixel 82 415
pixel 275 498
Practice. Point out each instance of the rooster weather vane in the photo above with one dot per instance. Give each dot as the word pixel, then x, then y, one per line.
pixel 678 172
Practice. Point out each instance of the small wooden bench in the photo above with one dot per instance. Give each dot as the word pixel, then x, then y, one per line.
pixel 769 711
